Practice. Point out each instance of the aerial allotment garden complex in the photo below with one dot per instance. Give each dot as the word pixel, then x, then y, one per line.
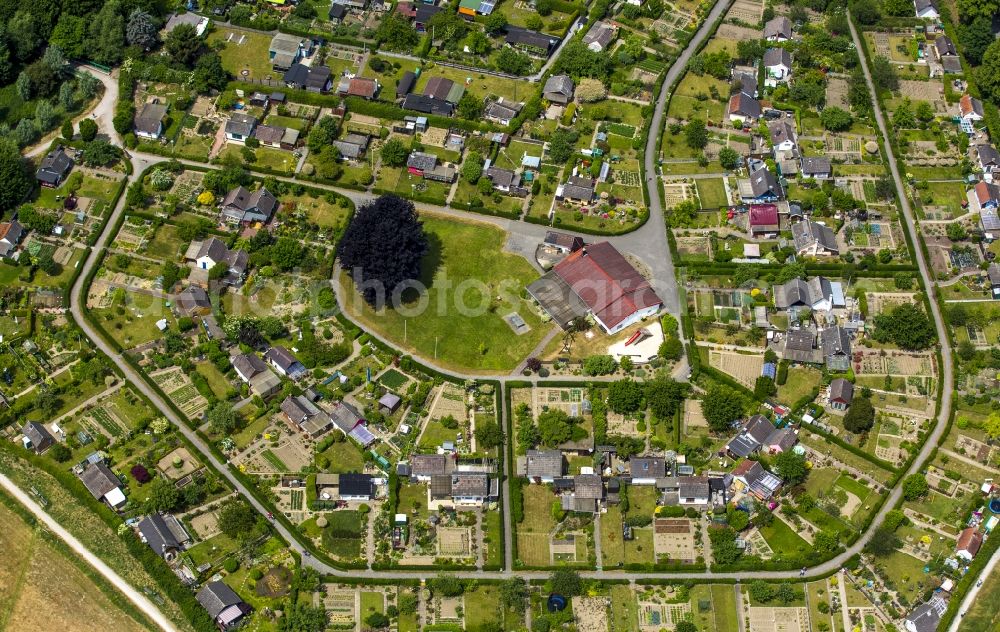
pixel 479 316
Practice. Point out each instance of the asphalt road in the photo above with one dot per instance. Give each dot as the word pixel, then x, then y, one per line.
pixel 133 595
pixel 650 243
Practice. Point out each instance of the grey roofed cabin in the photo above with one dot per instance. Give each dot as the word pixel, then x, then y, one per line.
pixel 558 89
pixel 54 167
pixel 99 480
pixel 223 605
pixel 421 161
pixel 836 344
pixel 778 28
pixel 841 393
pixel 193 299
pixel 588 486
pixel 810 235
pixel 149 121
pixel 38 435
pixel 163 533
pixel 240 124
pixel 800 346
pixel 817 167
pixel 543 464
pixel 777 56
pixel 645 467
pixel 781 131
pixel 353 145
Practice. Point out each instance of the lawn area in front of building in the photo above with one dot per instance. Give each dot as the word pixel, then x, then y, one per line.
pixel 461 329
pixel 712 193
pixel 250 55
pixel 801 381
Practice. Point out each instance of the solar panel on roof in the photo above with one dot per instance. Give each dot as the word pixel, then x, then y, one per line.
pixel 769 370
pixel 487 7
pixel 362 435
pixel 989 219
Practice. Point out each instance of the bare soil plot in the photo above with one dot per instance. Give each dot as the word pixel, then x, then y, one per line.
pixel 454 541
pixel 619 424
pixel 736 32
pixel 205 525
pixel 674 538
pixel 591 613
pixel 836 93
pixel 931 91
pixel 676 192
pixel 187 464
pixel 779 619
pixel 450 401
pixel 880 302
pixel 693 415
pixel 694 247
pixel 570 400
pixel 748 11
pixel 745 369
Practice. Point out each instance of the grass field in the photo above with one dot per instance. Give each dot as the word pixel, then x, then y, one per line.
pixel 481 607
pixel 724 605
pixel 712 193
pixel 319 210
pixel 343 537
pixel 612 546
pixel 783 541
pixel 624 609
pixel 412 497
pixel 251 55
pixel 216 380
pixel 801 380
pixel 462 329
pixel 906 572
pixel 44 589
pixel 371 602
pixel 344 457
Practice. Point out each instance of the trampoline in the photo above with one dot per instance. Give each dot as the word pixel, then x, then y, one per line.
pixel 556 603
pixel 995 505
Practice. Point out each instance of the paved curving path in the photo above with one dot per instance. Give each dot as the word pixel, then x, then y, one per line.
pixel 133 595
pixel 103 112
pixel 649 241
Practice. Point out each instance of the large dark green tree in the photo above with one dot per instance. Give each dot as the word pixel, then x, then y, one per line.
pixel 383 247
pixel 14 175
pixel 860 416
pixel 722 406
pixel 907 326
pixel 183 44
pixel 975 37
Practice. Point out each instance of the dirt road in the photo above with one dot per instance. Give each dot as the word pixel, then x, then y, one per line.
pixel 130 593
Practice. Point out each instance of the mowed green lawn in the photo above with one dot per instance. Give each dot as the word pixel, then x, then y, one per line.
pixel 471 286
pixel 250 55
pixel 801 381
